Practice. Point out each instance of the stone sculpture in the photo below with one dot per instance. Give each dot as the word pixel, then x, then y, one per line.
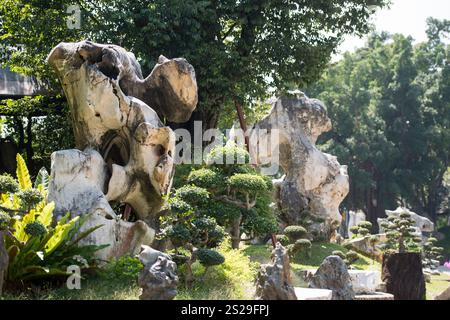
pixel 274 280
pixel 314 181
pixel 158 279
pixel 124 155
pixel 333 275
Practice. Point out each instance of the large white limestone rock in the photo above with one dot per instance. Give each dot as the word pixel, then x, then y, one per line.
pixel 124 155
pixel 313 181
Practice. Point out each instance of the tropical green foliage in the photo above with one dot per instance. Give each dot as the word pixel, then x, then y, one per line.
pixel 238 48
pixel 125 268
pixel 390 107
pixel 37 247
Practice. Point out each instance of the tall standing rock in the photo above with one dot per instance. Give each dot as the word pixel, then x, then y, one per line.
pixel 314 181
pixel 274 280
pixel 333 275
pixel 124 156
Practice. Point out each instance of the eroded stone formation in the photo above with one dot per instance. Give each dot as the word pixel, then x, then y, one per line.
pixel 314 182
pixel 158 280
pixel 333 275
pixel 274 280
pixel 124 155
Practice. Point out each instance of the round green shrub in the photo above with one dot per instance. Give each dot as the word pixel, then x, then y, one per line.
pixel 220 154
pixel 363 231
pixel 303 243
pixel 30 197
pixel 405 223
pixel 351 256
pixel 283 239
pixel 385 225
pixel 294 233
pixel 35 229
pixel 338 253
pixel 216 236
pixel 245 182
pixel 365 224
pixel 5 220
pixel 208 257
pixel 8 184
pixel 354 229
pixel 405 215
pixel 192 194
pixel 125 268
pixel 178 234
pixel 178 206
pixel 205 224
pixel 391 218
pixel 204 178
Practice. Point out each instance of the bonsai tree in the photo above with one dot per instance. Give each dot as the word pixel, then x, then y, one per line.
pixel 362 229
pixel 350 257
pixel 239 197
pixel 402 261
pixel 192 234
pixel 298 242
pixel 431 254
pixel 400 234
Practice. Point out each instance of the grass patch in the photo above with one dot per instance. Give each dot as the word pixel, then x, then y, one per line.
pixel 232 280
pixel 319 251
pixel 437 285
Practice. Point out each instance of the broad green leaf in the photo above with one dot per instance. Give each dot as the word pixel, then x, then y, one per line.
pixel 60 235
pixel 46 215
pixel 42 179
pixel 23 176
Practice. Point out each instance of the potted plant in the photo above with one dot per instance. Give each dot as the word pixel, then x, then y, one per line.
pixel 402 260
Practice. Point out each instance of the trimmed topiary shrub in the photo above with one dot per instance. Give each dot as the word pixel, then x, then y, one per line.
pixel 35 229
pixel 8 184
pixel 295 232
pixel 283 239
pixel 204 178
pixel 30 198
pixel 208 257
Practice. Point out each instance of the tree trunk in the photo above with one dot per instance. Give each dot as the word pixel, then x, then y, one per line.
pixel 4 261
pixel 402 273
pixel 236 233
